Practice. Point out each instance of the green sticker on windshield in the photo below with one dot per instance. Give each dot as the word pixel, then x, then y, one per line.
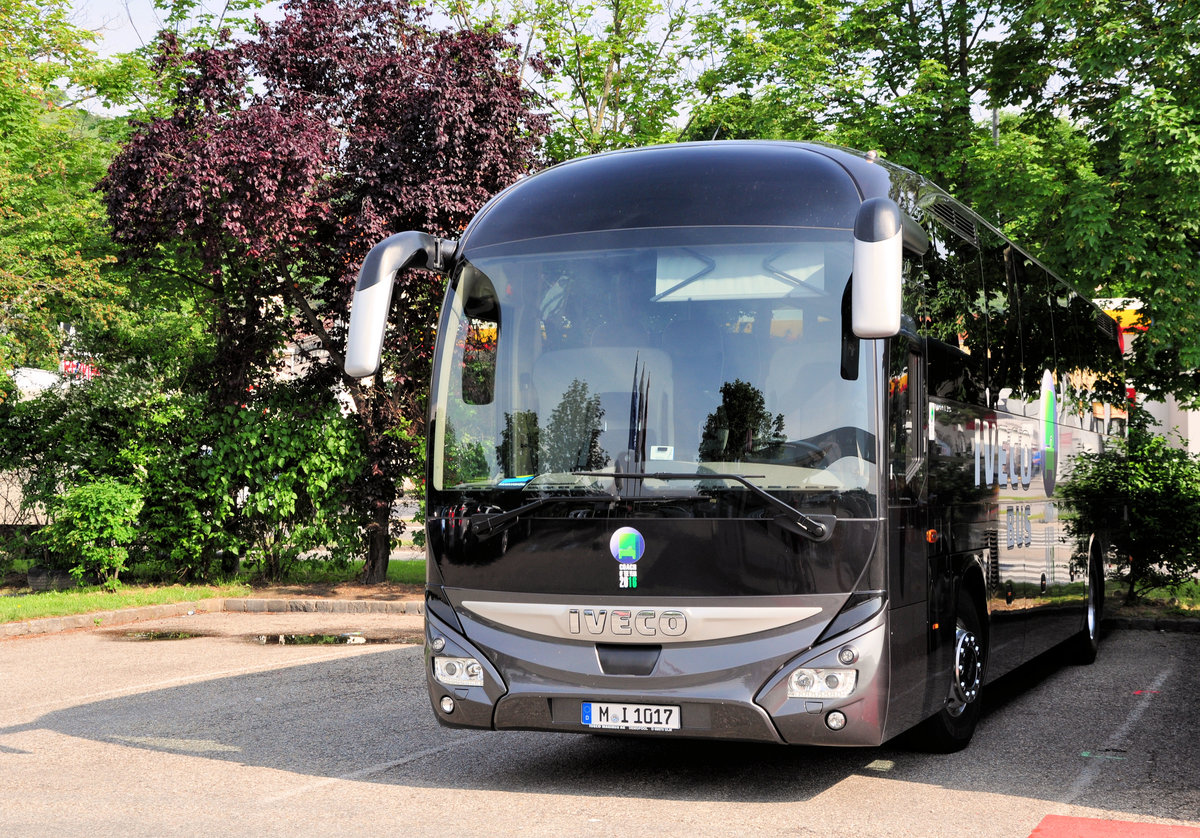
pixel 627 546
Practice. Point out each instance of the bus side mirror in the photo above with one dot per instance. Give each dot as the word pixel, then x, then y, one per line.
pixel 878 267
pixel 373 292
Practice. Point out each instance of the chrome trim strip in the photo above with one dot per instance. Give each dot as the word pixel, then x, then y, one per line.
pixel 641 623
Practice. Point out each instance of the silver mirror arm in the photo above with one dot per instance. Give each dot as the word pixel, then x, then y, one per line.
pixel 373 292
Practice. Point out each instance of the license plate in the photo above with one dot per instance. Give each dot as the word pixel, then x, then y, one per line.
pixel 630 716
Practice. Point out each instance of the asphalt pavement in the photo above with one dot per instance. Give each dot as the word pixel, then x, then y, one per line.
pixel 217 728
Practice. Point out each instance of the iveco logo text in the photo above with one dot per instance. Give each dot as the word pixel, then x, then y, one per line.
pixel 1007 464
pixel 1011 464
pixel 623 622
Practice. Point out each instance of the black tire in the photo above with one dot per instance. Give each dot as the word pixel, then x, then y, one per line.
pixel 1082 648
pixel 951 728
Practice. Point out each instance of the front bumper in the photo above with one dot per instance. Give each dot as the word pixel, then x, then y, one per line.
pixel 735 689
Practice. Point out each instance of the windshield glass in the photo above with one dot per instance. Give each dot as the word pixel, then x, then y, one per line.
pixel 693 358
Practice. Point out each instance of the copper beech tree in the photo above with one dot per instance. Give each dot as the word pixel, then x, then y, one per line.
pixel 284 157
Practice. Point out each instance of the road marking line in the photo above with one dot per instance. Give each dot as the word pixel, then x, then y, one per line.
pixel 1115 742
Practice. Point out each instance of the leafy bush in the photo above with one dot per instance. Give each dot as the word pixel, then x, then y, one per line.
pixel 91 527
pixel 126 426
pixel 265 481
pixel 279 473
pixel 1146 495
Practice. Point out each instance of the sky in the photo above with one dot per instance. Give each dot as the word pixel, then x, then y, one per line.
pixel 120 25
pixel 124 25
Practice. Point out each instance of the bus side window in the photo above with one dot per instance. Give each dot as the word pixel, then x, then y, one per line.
pixel 953 373
pixel 1074 374
pixel 906 415
pixel 955 316
pixel 1033 286
pixel 1005 358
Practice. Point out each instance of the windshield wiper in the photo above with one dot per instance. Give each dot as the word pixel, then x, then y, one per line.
pixel 487 522
pixel 811 527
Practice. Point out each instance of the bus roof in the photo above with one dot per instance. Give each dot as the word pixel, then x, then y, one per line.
pixel 726 184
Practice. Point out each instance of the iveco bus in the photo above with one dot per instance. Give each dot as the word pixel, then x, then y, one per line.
pixel 746 440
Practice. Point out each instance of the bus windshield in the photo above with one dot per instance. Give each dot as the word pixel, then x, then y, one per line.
pixel 678 354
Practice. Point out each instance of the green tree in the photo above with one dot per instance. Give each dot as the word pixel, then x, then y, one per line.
pixel 1127 74
pixel 1145 493
pixel 282 159
pixel 266 479
pixel 279 470
pixel 1039 184
pixel 898 76
pixel 1094 165
pixel 55 255
pixel 773 70
pixel 132 426
pixel 571 439
pixel 741 427
pixel 907 79
pixel 612 73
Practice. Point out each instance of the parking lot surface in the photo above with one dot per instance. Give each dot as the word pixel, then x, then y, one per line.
pixel 223 729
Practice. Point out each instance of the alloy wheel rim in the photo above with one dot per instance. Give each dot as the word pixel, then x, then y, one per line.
pixel 968 670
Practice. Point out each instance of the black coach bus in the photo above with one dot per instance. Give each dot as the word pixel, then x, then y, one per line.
pixel 746 440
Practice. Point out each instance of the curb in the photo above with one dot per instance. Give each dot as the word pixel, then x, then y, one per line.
pixel 97 619
pixel 1152 624
pixel 52 625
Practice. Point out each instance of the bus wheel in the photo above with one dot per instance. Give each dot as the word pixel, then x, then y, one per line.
pixel 1084 645
pixel 951 729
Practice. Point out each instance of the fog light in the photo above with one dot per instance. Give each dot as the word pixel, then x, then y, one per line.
pixel 822 683
pixel 447 704
pixel 835 720
pixel 437 644
pixel 458 672
pixel 848 655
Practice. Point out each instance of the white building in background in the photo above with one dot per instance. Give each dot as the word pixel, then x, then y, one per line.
pixel 32 382
pixel 1172 418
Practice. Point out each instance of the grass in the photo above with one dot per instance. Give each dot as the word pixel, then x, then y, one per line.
pixel 18 603
pixel 405 572
pixel 1183 601
pixel 1186 595
pixel 87 600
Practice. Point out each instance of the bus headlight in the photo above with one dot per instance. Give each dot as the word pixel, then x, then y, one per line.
pixel 822 683
pixel 458 672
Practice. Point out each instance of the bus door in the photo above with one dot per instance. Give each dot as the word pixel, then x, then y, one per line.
pixel 908 520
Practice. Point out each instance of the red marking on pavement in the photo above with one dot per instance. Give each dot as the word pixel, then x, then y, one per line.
pixel 1145 692
pixel 1057 826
